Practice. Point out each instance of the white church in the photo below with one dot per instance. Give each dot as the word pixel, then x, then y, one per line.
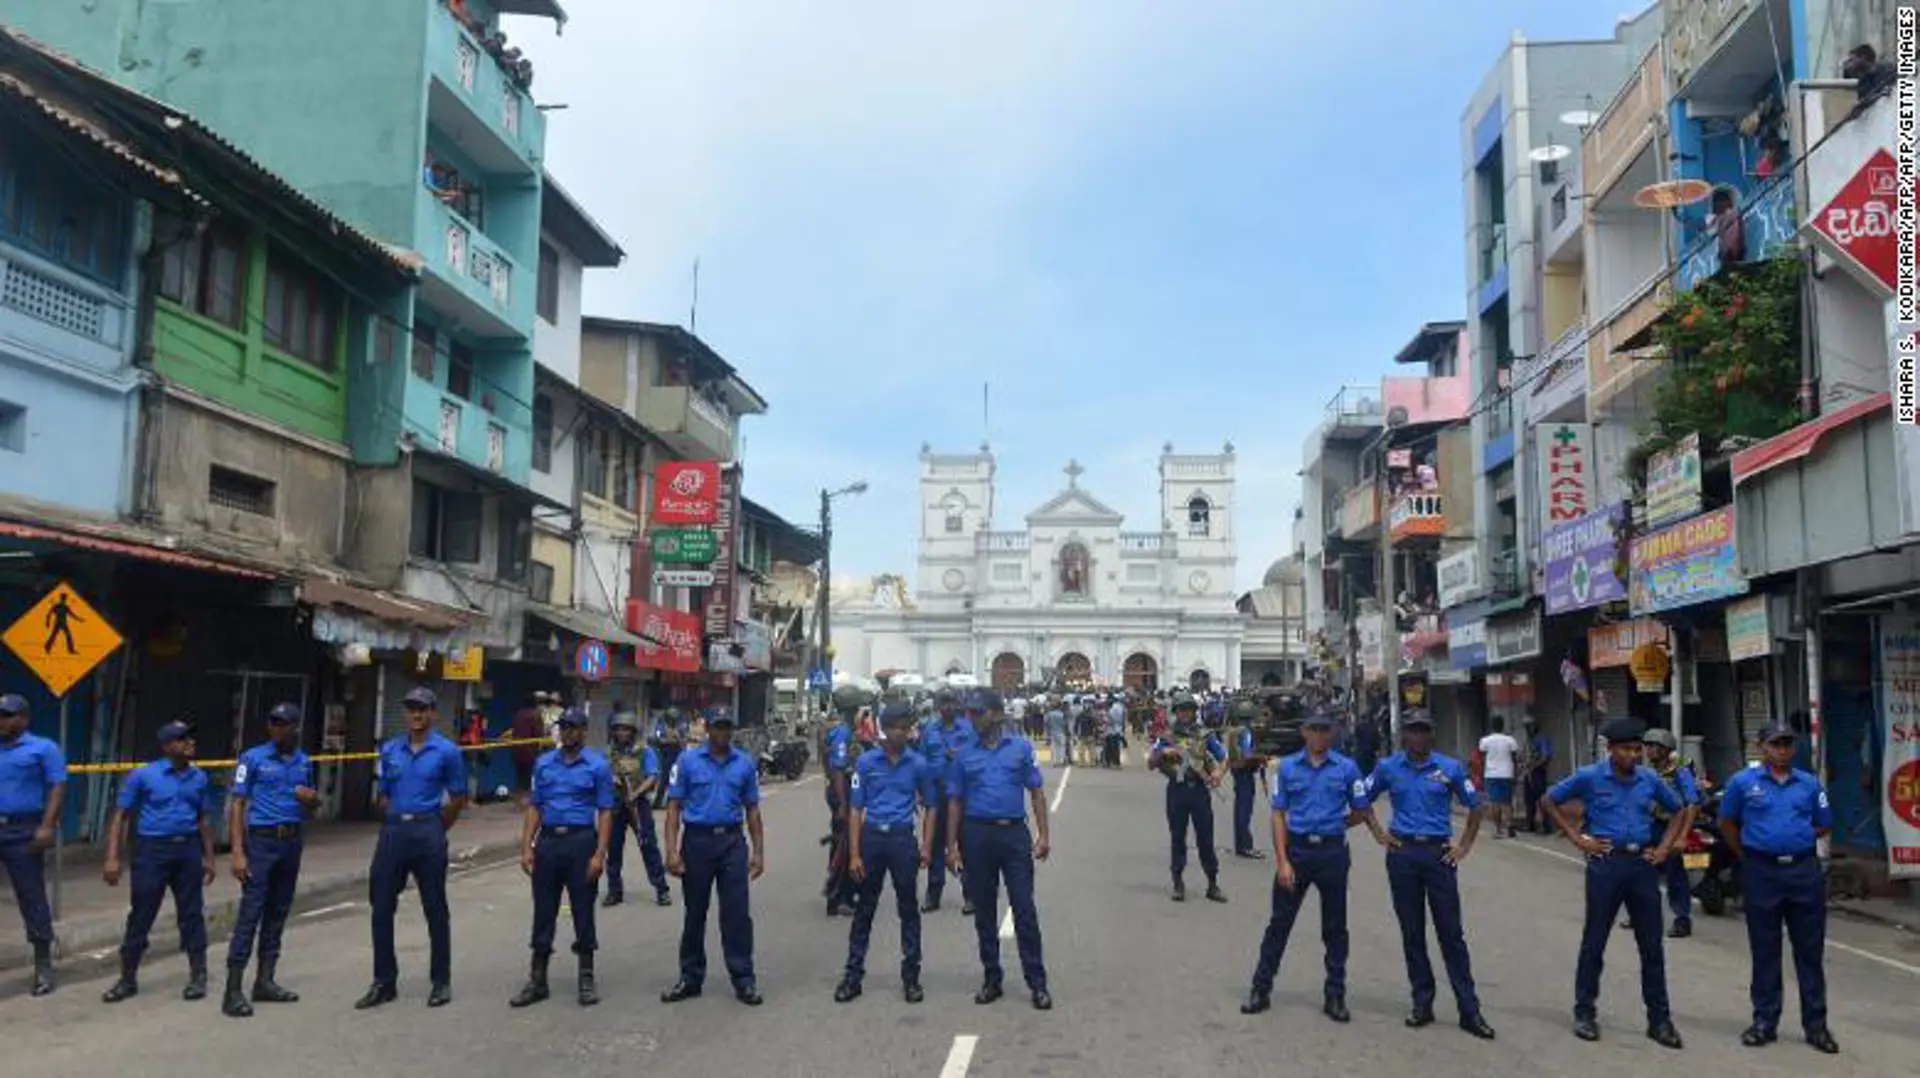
pixel 1074 598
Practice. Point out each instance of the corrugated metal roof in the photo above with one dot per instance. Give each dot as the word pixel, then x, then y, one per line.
pixel 92 132
pixel 141 550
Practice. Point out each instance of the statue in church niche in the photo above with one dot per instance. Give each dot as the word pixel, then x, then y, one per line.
pixel 1073 570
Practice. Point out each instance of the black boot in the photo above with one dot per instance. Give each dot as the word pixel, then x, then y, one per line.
pixel 234 1003
pixel 266 989
pixel 196 976
pixel 42 968
pixel 1179 889
pixel 535 990
pixel 128 986
pixel 589 992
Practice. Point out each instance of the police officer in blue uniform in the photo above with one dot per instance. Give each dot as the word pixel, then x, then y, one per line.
pixel 1423 864
pixel 1192 762
pixel 1773 816
pixel 173 851
pixel 893 793
pixel 634 810
pixel 33 786
pixel 987 833
pixel 272 794
pixel 1623 868
pixel 1248 767
pixel 1317 794
pixel 570 813
pixel 712 790
pixel 840 751
pixel 941 741
pixel 423 788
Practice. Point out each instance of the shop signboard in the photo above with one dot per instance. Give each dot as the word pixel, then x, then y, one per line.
pixel 1467 644
pixel 1514 637
pixel 1567 485
pixel 1613 644
pixel 1899 674
pixel 1749 636
pixel 1673 482
pixel 1690 562
pixel 669 639
pixel 1580 558
pixel 686 492
pixel 1459 575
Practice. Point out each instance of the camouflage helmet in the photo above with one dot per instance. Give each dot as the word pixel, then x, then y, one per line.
pixel 848 699
pixel 1182 698
pixel 1245 710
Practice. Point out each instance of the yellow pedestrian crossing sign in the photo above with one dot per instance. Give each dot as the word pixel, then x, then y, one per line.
pixel 62 638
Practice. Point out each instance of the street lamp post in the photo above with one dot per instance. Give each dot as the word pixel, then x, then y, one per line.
pixel 823 648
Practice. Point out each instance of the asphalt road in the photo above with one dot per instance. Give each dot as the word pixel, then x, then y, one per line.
pixel 1142 985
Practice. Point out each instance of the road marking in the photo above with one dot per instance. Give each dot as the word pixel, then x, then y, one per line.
pixel 1006 925
pixel 960 1056
pixel 1060 791
pixel 1544 852
pixel 324 910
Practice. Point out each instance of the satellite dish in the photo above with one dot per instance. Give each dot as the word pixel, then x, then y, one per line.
pixel 1670 194
pixel 1550 152
pixel 1580 118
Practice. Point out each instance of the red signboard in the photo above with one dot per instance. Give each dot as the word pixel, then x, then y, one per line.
pixel 669 639
pixel 686 492
pixel 1858 223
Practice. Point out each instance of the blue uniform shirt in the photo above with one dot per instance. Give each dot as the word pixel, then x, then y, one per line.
pixel 1422 793
pixel 1683 784
pixel 267 780
pixel 1618 810
pixel 415 783
pixel 993 780
pixel 569 792
pixel 29 767
pixel 889 790
pixel 1246 741
pixel 1776 817
pixel 713 792
pixel 941 745
pixel 166 802
pixel 839 740
pixel 1317 799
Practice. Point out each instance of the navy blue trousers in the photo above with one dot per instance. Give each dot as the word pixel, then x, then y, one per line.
pixel 637 818
pixel 1422 881
pixel 1191 802
pixel 160 866
pixel 26 869
pixel 560 863
pixel 1243 782
pixel 1793 896
pixel 266 898
pixel 937 871
pixel 894 855
pixel 414 849
pixel 993 853
pixel 715 859
pixel 1323 868
pixel 1673 872
pixel 840 887
pixel 1613 882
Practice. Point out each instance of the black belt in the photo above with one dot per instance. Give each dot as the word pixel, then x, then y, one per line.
pixel 167 840
pixel 890 829
pixel 1296 839
pixel 1630 849
pixel 714 828
pixel 566 829
pixel 1423 840
pixel 278 830
pixel 21 821
pixel 413 817
pixel 1781 858
pixel 998 821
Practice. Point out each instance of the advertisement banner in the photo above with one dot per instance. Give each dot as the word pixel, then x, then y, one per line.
pixel 1748 634
pixel 1613 644
pixel 1899 676
pixel 1673 482
pixel 720 595
pixel 1467 645
pixel 683 546
pixel 669 639
pixel 1459 574
pixel 686 492
pixel 1512 638
pixel 1568 489
pixel 1373 637
pixel 1580 558
pixel 1691 562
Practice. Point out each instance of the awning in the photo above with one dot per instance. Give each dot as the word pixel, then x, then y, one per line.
pixel 129 548
pixel 385 606
pixel 1801 440
pixel 587 624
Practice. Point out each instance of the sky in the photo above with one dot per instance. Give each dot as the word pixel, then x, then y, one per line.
pixel 1139 222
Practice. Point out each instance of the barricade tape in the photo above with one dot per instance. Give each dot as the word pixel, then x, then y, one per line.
pixel 323 758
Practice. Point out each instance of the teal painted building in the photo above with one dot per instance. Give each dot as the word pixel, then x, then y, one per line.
pixel 410 120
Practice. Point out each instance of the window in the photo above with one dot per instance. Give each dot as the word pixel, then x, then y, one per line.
pixel 540 582
pixel 13 427
pixel 237 490
pixel 382 340
pixel 546 300
pixel 515 540
pixel 423 358
pixel 460 371
pixel 303 311
pixel 1199 518
pixel 955 507
pixel 623 469
pixel 593 479
pixel 207 274
pixel 446 524
pixel 60 215
pixel 542 433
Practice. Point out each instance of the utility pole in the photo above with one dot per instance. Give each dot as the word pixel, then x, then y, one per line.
pixel 826 581
pixel 1390 617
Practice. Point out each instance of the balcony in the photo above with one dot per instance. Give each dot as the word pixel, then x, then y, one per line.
pixel 470 277
pixel 470 98
pixel 1491 245
pixel 1416 516
pixel 693 426
pixel 1504 574
pixel 1149 543
pixel 1766 216
pixel 1616 356
pixel 1630 123
pixel 1500 434
pixel 1002 542
pixel 1428 400
pixel 1553 383
pixel 1359 511
pixel 1354 412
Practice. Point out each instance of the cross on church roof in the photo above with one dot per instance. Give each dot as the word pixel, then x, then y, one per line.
pixel 1074 471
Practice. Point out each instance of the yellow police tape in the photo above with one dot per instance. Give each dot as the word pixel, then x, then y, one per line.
pixel 323 758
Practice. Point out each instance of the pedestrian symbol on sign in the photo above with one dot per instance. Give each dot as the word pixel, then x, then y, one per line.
pixel 61 638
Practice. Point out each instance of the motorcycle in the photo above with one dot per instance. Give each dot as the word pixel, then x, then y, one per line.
pixel 783 756
pixel 1712 872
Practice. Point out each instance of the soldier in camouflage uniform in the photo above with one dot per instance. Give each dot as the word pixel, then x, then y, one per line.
pixel 1191 758
pixel 636 773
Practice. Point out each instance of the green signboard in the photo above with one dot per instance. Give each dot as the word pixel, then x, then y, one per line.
pixel 692 546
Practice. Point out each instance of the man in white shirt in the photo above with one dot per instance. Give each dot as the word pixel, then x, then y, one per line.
pixel 1498 753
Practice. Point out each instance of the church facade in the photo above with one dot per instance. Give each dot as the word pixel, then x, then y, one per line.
pixel 1075 598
